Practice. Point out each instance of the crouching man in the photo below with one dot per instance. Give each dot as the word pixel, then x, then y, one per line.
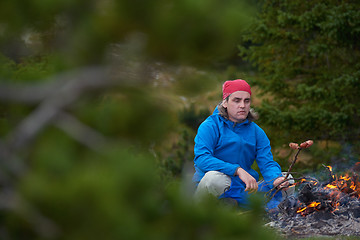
pixel 227 144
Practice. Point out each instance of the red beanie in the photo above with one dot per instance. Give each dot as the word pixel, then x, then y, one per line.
pixel 235 85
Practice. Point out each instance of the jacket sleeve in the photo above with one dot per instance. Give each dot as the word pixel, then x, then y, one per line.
pixel 205 143
pixel 269 169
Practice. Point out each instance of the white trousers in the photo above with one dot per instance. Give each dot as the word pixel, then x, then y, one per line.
pixel 216 183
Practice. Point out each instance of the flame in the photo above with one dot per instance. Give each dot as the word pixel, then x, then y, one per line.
pixel 312 205
pixel 303 180
pixel 301 210
pixel 336 206
pixel 331 172
pixel 345 178
pixel 331 186
pixel 353 186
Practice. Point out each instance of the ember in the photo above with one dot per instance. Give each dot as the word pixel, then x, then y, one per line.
pixel 331 207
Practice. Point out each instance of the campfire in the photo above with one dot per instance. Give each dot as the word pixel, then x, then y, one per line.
pixel 328 196
pixel 330 207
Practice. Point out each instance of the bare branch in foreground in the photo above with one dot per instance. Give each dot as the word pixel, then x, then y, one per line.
pixel 79 131
pixel 88 79
pixel 75 80
pixel 31 94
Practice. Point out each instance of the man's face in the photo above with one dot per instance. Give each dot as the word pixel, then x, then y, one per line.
pixel 238 106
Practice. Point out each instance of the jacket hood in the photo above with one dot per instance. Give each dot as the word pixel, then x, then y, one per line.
pixel 216 111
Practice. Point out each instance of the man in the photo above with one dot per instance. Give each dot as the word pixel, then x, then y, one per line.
pixel 226 145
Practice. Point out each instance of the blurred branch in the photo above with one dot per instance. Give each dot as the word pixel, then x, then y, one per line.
pixel 66 89
pixel 57 99
pixel 10 165
pixel 29 94
pixel 79 131
pixel 56 94
pixel 72 80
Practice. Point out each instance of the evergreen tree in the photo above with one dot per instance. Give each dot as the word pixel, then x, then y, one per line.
pixel 307 52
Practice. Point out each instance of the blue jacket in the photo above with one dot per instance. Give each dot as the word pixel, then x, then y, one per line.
pixel 222 145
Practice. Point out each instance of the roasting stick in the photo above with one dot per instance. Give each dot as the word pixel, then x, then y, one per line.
pixel 292 164
pixel 306 144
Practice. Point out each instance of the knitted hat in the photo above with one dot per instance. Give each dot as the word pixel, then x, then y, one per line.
pixel 235 85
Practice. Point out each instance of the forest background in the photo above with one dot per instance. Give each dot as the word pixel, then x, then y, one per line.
pixel 100 102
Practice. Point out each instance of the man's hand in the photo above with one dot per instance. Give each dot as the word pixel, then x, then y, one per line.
pixel 250 181
pixel 279 180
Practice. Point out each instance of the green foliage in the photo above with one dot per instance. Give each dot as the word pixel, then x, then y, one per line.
pixel 308 55
pixel 178 156
pixel 127 113
pixel 6 67
pixel 192 117
pixel 29 69
pixel 76 153
pixel 181 152
pixel 110 197
pixel 178 31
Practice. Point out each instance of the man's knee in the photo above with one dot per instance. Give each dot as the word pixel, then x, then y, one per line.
pixel 213 182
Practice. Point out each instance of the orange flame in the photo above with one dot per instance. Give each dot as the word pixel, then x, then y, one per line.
pixel 301 210
pixel 353 186
pixel 311 205
pixel 314 204
pixel 345 178
pixel 331 186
